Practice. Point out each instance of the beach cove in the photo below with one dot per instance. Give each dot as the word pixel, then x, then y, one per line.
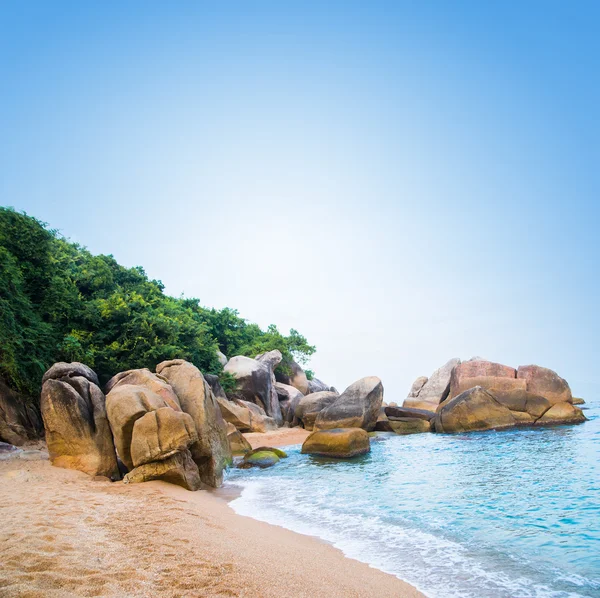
pixel 64 534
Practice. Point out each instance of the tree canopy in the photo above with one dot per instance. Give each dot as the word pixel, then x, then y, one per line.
pixel 58 302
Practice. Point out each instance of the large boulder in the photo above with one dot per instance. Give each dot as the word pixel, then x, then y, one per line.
pixel 144 377
pixel 289 397
pixel 20 421
pixel 496 378
pixel 295 377
pixel 255 384
pixel 561 413
pixel 62 370
pixel 340 443
pixel 434 391
pixel 177 469
pixel 125 404
pixel 474 409
pixel 78 433
pixel 546 383
pixel 311 405
pixel 160 434
pixel 211 451
pixel 357 407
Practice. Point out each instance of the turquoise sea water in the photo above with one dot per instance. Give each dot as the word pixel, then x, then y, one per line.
pixel 488 514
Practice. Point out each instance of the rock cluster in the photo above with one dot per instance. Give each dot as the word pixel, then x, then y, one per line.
pixel 481 395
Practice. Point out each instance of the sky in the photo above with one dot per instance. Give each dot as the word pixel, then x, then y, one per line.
pixel 402 182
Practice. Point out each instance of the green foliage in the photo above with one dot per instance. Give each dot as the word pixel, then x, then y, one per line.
pixel 58 302
pixel 227 382
pixel 309 374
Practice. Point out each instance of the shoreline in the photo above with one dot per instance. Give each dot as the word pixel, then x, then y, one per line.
pixel 67 534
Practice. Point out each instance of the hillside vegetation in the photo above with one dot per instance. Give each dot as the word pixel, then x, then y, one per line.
pixel 58 302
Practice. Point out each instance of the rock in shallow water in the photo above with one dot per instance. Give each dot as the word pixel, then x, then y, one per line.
pixel 264 456
pixel 474 409
pixel 340 443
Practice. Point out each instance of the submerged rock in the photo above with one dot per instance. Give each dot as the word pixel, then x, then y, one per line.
pixel 340 443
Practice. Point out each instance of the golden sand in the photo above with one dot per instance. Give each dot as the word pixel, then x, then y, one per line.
pixel 64 534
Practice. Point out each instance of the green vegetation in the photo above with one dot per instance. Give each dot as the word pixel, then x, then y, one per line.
pixel 58 302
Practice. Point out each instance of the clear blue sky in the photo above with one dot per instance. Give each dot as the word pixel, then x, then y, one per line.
pixel 402 182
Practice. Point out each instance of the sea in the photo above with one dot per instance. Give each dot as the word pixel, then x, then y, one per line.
pixel 512 514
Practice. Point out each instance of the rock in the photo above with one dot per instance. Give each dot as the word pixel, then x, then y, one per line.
pixel 259 421
pixel 416 387
pixel 295 377
pixel 211 451
pixel 577 401
pixel 19 419
pixel 63 370
pixel 340 443
pixel 281 454
pixel 215 385
pixel 254 384
pixel 382 424
pixel 144 377
pixel 125 404
pixel 546 383
pixel 78 434
pixel 311 405
pixel 521 401
pixel 409 425
pixel 178 469
pixel 523 419
pixel 357 407
pixel 435 390
pixel 406 412
pixel 238 415
pixel 500 387
pixel 160 434
pixel 561 413
pixel 259 458
pixel 474 409
pixel 222 358
pixel 237 443
pixel 315 385
pixel 289 397
pixel 271 359
pixel 8 451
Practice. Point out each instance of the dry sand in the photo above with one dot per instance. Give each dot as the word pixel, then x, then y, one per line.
pixel 64 534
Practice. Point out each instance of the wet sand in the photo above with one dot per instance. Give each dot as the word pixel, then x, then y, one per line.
pixel 65 534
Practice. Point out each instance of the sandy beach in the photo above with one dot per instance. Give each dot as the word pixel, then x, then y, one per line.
pixel 66 534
